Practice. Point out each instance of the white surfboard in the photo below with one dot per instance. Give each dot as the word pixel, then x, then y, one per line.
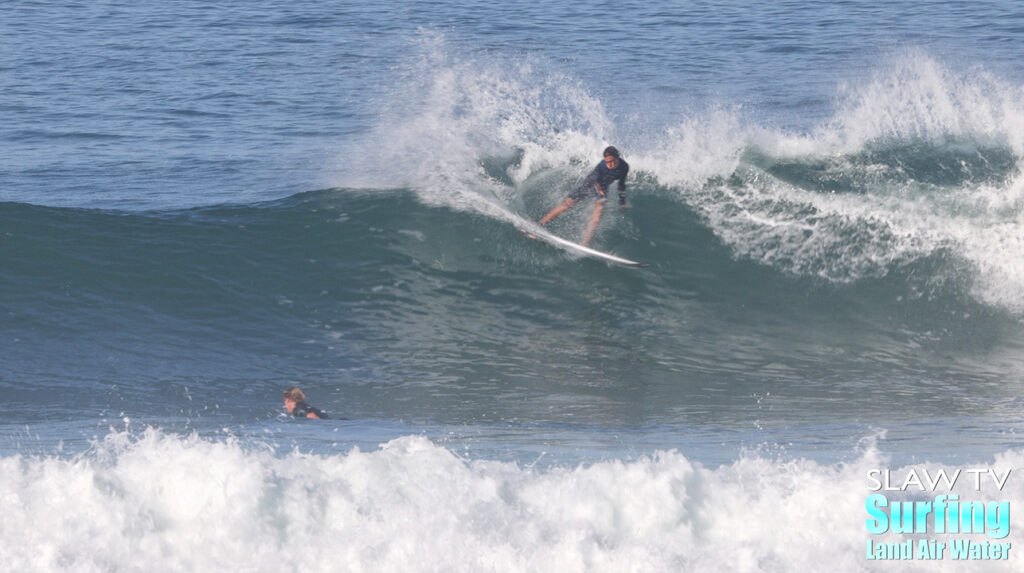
pixel 578 248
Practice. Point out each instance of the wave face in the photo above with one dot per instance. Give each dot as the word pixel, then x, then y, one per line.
pixel 870 264
pixel 768 280
pixel 792 277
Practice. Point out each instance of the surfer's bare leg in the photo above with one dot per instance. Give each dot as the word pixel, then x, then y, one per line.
pixel 594 220
pixel 558 210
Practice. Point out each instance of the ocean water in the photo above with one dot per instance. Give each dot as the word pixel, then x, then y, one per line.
pixel 203 204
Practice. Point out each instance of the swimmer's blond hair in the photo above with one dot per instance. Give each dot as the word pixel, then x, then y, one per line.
pixel 295 394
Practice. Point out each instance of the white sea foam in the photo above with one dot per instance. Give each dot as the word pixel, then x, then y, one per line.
pixel 158 502
pixel 446 111
pixel 913 106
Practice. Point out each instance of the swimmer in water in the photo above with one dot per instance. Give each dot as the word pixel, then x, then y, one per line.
pixel 295 403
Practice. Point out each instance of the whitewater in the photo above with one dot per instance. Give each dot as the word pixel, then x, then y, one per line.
pixel 167 504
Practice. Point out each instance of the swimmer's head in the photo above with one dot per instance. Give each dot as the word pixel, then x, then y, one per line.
pixel 292 397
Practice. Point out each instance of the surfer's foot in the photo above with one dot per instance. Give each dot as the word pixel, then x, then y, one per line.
pixel 527 234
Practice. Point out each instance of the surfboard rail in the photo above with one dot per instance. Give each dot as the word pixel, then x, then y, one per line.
pixel 542 235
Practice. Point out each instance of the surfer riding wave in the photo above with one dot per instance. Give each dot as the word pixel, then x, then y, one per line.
pixel 612 168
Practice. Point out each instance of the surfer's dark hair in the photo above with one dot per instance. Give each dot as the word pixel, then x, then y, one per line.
pixel 610 150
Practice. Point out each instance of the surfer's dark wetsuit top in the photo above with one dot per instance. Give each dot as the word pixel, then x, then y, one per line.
pixel 302 408
pixel 603 177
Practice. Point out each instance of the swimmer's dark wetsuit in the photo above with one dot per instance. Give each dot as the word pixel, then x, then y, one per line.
pixel 603 177
pixel 302 408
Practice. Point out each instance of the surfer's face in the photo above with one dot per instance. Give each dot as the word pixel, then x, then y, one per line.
pixel 289 405
pixel 610 161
